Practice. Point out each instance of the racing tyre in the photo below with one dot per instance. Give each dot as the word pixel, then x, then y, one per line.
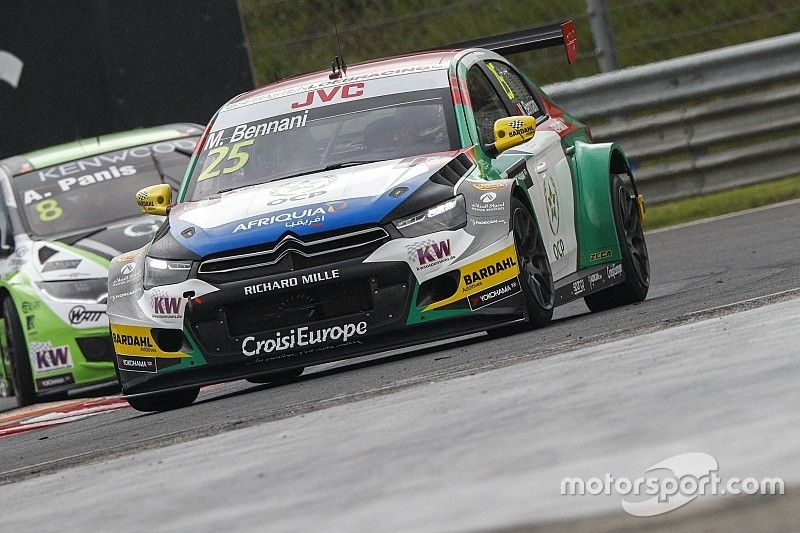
pixel 536 276
pixel 277 378
pixel 635 261
pixel 164 401
pixel 21 373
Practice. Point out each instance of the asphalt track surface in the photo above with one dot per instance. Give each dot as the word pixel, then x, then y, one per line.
pixel 699 271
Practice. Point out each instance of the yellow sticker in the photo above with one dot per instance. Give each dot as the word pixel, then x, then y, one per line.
pixel 503 83
pixel 138 340
pixel 487 272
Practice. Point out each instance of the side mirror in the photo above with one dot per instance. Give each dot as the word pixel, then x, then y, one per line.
pixel 155 199
pixel 512 131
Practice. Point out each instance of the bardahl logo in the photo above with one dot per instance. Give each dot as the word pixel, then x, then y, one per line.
pixel 471 278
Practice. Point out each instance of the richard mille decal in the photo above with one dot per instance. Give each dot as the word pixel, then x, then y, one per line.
pixel 286 283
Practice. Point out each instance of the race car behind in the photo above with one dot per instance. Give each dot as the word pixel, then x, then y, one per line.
pixel 66 212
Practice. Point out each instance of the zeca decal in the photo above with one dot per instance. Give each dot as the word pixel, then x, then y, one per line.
pixel 597 256
pixel 351 90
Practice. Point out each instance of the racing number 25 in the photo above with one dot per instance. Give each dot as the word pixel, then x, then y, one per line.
pixel 222 153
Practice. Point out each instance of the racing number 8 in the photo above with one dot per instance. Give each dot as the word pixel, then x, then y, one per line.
pixel 222 153
pixel 48 210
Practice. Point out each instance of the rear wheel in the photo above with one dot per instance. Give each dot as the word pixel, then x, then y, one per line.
pixel 164 401
pixel 536 276
pixel 277 378
pixel 635 260
pixel 21 373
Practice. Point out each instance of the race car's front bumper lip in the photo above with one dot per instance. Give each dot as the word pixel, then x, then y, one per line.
pixel 407 337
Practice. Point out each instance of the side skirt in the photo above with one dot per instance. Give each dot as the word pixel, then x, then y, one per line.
pixel 588 281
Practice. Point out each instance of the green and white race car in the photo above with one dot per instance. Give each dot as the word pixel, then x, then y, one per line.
pixel 66 211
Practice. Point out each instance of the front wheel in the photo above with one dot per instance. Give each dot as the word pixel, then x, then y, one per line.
pixel 635 260
pixel 164 401
pixel 21 373
pixel 536 276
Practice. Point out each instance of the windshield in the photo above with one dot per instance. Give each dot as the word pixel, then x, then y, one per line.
pixel 315 135
pixel 99 190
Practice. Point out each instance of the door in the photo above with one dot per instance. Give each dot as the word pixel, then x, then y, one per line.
pixel 496 91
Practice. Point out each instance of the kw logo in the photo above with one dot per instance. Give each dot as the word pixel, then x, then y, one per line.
pixel 163 305
pixel 51 358
pixel 434 252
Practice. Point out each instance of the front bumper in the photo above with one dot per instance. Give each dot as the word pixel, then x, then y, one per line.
pixel 342 310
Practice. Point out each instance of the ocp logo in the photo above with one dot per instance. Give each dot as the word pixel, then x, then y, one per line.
pixel 10 68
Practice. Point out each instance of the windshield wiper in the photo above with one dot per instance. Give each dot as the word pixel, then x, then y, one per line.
pixel 333 166
pixel 72 239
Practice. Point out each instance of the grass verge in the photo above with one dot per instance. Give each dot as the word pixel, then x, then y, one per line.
pixel 721 203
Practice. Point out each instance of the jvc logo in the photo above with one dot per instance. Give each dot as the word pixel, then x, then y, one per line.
pixel 163 305
pixel 351 90
pixel 49 359
pixel 433 252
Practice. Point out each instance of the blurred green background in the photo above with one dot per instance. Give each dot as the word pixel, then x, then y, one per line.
pixel 289 37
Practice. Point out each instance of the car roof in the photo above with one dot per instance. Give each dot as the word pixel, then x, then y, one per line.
pixel 434 59
pixel 63 153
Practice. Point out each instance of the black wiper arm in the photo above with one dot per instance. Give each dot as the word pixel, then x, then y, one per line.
pixel 72 239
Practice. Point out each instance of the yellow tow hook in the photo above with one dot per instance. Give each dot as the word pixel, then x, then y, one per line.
pixel 640 206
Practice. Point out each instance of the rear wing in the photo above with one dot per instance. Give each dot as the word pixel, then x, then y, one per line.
pixel 533 39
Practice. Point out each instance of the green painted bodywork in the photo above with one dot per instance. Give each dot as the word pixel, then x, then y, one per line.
pixel 594 216
pixel 48 327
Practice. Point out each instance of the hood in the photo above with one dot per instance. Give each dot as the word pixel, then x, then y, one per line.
pixel 320 202
pixel 117 238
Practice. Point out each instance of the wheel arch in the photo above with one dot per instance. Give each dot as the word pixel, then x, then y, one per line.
pixel 594 215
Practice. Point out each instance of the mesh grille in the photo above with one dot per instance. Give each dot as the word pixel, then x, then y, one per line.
pixel 96 349
pixel 299 307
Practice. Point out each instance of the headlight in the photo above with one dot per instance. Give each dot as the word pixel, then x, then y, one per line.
pixel 448 215
pixel 160 272
pixel 82 290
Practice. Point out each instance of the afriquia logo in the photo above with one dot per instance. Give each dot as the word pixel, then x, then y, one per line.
pixel 670 484
pixel 309 216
